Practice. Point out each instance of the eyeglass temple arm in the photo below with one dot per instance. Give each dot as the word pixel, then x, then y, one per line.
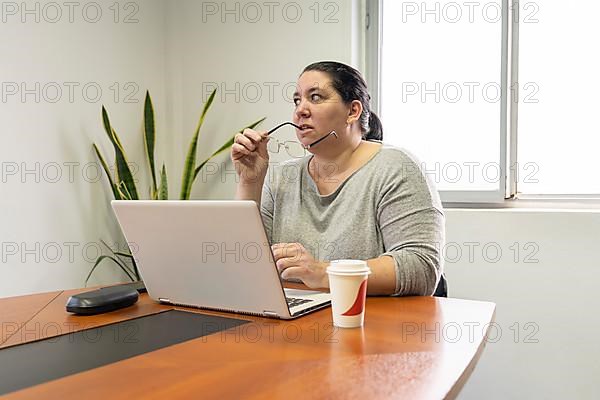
pixel 283 124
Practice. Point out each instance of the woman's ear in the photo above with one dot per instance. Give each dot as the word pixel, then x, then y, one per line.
pixel 355 111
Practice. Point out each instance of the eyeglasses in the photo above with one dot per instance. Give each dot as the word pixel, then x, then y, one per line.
pixel 294 149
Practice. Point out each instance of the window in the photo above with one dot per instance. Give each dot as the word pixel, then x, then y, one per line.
pixel 559 130
pixel 452 77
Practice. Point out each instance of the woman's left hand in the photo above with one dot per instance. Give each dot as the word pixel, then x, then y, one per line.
pixel 294 261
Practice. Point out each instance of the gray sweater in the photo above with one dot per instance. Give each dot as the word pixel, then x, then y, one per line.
pixel 387 207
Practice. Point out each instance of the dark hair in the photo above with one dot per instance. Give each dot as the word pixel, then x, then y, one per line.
pixel 350 85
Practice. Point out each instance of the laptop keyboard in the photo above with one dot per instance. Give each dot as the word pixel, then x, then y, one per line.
pixel 293 302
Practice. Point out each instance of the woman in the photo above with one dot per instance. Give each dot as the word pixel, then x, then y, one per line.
pixel 352 198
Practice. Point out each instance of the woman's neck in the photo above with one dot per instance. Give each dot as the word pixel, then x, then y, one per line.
pixel 335 162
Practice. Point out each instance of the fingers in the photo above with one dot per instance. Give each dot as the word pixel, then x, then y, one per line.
pixel 238 151
pixel 287 250
pixel 293 273
pixel 247 142
pixel 283 264
pixel 289 256
pixel 244 141
pixel 295 260
pixel 255 136
pixel 250 138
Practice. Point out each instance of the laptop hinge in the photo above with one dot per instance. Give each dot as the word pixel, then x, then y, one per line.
pixel 271 314
pixel 164 300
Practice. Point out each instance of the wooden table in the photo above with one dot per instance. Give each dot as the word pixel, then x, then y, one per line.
pixel 409 348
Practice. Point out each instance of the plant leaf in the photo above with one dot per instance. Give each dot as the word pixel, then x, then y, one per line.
pixel 138 277
pixel 190 159
pixel 225 146
pixel 123 191
pixel 112 251
pixel 103 257
pixel 123 172
pixel 127 191
pixel 123 197
pixel 149 139
pixel 164 188
pixel 121 254
pixel 113 187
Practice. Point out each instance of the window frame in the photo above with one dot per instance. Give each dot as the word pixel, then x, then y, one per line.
pixel 507 194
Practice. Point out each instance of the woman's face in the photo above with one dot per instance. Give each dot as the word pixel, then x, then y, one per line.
pixel 317 106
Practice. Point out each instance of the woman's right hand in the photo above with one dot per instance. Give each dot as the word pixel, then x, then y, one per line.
pixel 250 156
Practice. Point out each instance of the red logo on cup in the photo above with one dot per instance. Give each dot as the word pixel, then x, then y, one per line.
pixel 359 302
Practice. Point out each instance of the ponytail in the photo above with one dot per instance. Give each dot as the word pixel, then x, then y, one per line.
pixel 375 128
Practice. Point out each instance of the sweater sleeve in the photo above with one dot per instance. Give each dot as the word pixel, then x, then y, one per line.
pixel 412 223
pixel 267 205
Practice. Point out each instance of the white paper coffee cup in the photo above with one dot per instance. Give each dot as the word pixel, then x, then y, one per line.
pixel 348 287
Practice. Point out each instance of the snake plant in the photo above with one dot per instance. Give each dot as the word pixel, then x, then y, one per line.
pixel 122 183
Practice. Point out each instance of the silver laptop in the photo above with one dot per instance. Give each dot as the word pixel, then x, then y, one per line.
pixel 210 254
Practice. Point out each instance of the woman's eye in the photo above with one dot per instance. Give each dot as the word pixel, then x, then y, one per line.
pixel 315 97
pixel 296 101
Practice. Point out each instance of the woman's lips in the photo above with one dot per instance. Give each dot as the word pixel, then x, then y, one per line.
pixel 305 128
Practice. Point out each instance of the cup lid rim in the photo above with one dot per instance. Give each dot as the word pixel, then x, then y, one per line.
pixel 348 261
pixel 356 268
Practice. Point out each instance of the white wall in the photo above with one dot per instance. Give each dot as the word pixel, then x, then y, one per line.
pixel 548 288
pixel 52 219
